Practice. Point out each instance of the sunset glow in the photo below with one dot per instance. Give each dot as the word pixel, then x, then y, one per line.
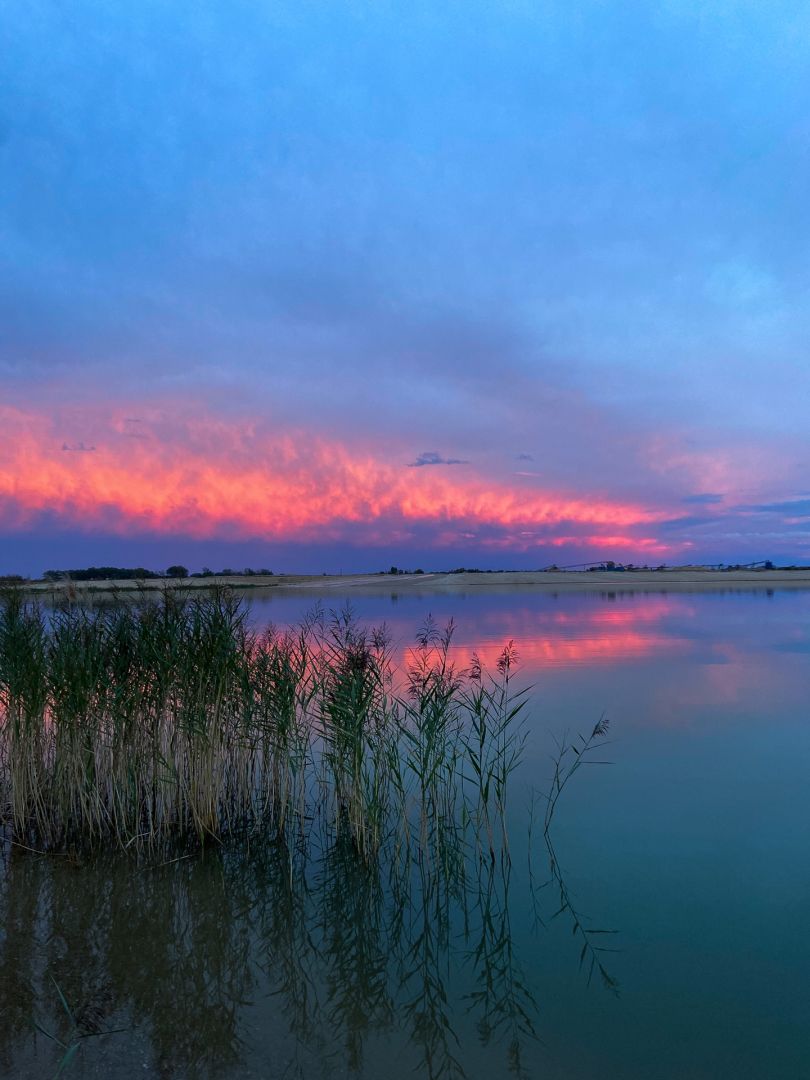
pixel 205 479
pixel 419 289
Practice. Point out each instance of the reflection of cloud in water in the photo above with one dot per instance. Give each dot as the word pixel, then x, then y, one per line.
pixel 734 675
pixel 596 635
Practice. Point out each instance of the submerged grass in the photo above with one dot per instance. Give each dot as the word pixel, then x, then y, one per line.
pixel 172 720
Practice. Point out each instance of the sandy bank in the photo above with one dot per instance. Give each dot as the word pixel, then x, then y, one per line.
pixel 689 580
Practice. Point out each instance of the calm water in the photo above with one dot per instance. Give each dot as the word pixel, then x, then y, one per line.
pixel 692 845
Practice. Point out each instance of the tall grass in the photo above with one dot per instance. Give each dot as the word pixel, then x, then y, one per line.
pixel 173 720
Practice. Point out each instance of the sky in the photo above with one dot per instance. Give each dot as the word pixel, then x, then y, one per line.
pixel 339 285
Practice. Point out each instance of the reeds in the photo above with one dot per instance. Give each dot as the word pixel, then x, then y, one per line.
pixel 172 720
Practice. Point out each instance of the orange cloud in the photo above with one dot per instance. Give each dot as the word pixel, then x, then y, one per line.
pixel 201 476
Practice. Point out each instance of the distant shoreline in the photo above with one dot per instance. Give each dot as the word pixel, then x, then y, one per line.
pixel 546 581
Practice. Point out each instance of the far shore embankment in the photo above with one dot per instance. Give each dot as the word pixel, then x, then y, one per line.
pixel 674 580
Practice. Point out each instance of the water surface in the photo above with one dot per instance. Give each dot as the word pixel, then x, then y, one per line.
pixel 692 845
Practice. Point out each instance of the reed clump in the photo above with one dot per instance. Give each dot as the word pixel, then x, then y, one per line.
pixel 172 719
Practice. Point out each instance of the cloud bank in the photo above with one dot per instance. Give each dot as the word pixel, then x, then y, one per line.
pixel 202 476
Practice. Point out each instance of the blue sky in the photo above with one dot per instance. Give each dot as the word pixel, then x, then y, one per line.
pixel 556 252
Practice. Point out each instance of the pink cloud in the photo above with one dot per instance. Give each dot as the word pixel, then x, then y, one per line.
pixel 192 473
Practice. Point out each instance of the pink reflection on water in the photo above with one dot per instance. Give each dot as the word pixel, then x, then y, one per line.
pixel 545 637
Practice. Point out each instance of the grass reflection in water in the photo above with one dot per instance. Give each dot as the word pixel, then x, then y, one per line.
pixel 261 849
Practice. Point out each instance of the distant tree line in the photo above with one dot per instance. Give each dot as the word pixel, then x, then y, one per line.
pixel 139 573
pixel 100 573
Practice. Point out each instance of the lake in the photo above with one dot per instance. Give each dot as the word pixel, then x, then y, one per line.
pixel 687 846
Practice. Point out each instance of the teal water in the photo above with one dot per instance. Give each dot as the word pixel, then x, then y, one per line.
pixel 692 845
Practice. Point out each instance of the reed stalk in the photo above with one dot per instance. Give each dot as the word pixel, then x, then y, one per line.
pixel 172 721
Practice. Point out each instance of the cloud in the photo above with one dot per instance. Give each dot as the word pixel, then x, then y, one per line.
pixel 688 521
pixel 430 457
pixel 702 499
pixel 791 507
pixel 206 477
pixel 524 457
pixel 235 478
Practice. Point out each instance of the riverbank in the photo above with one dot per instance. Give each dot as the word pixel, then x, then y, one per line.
pixel 691 579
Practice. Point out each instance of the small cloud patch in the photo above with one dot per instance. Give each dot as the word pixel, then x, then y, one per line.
pixel 431 457
pixel 792 507
pixel 524 457
pixel 702 499
pixel 79 448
